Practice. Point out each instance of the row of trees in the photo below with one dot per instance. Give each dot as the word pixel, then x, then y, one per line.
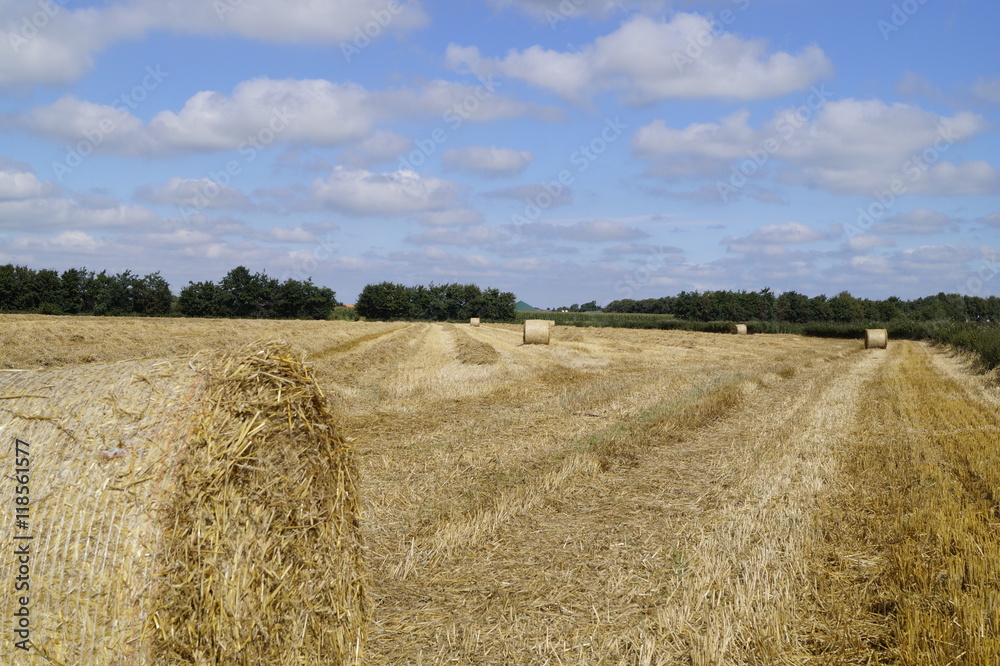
pixel 436 302
pixel 79 291
pixel 255 295
pixel 238 294
pixel 797 308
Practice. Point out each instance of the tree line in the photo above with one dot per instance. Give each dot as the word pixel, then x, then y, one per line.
pixel 239 294
pixel 80 291
pixel 793 307
pixel 437 302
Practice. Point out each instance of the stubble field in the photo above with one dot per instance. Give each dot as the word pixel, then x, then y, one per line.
pixel 641 497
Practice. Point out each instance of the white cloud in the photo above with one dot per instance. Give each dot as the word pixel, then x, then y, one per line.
pixel 60 46
pixel 867 242
pixel 72 242
pixel 591 231
pixel 478 235
pixel 18 182
pixel 993 219
pixel 378 147
pixel 845 147
pixel 452 217
pixel 286 235
pixel 368 193
pixel 32 214
pixel 919 221
pixel 263 111
pixel 200 193
pixel 871 265
pixel 792 232
pixel 726 140
pixel 650 60
pixel 987 90
pixel 489 161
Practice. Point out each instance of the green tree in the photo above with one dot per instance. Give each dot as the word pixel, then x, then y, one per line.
pixel 845 308
pixel 248 295
pixel 202 299
pixel 384 301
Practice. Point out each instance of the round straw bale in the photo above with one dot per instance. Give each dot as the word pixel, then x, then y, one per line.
pixel 474 321
pixel 738 329
pixel 552 322
pixel 876 338
pixel 201 510
pixel 536 332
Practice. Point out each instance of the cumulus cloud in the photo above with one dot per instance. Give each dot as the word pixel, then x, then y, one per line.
pixel 200 193
pixel 649 59
pixel 844 147
pixel 395 193
pixel 378 147
pixel 489 161
pixel 591 231
pixel 778 234
pixel 67 213
pixel 867 242
pixel 919 221
pixel 453 217
pixel 477 235
pixel 19 182
pixel 59 46
pixel 986 90
pixel 993 219
pixel 263 111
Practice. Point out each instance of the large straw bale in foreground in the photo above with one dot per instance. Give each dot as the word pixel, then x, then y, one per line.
pixel 193 511
pixel 536 331
pixel 876 338
pixel 738 329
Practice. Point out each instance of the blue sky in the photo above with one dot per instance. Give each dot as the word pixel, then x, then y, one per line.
pixel 565 150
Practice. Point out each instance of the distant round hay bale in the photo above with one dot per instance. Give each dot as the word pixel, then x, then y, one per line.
pixel 876 338
pixel 200 510
pixel 738 329
pixel 536 332
pixel 552 322
pixel 474 321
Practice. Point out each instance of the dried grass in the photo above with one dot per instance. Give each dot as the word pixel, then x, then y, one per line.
pixel 910 570
pixel 876 338
pixel 473 351
pixel 200 512
pixel 536 332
